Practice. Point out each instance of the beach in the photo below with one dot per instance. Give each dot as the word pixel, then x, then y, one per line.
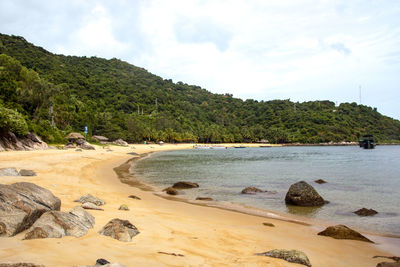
pixel 205 236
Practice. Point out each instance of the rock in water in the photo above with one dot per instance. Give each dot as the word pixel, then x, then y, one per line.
pixel 90 206
pixel 294 256
pixel 303 194
pixel 320 181
pixel 252 190
pixel 185 185
pixel 121 230
pixel 171 191
pixel 25 172
pixel 21 204
pixel 56 224
pixel 9 172
pixel 204 198
pixel 343 232
pixel 365 212
pixel 91 199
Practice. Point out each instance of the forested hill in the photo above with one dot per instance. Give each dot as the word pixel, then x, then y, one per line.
pixel 119 100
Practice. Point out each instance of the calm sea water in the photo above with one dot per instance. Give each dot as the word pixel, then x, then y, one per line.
pixel 356 178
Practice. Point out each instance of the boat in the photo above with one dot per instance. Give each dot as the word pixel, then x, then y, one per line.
pixel 367 141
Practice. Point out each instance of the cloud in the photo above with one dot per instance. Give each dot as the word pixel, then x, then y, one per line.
pixel 340 47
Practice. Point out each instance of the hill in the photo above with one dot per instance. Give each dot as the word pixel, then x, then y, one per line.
pixel 55 94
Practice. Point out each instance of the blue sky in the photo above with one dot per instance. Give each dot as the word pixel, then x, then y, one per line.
pixel 298 49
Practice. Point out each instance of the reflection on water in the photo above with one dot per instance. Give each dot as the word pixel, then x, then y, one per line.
pixel 356 178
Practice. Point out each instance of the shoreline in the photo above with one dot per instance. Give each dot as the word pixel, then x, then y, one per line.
pixel 206 236
pixel 125 175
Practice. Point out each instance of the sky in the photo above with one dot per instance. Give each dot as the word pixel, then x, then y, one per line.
pixel 302 50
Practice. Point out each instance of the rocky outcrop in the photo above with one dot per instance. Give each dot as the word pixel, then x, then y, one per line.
pixel 90 206
pixel 185 185
pixel 21 204
pixel 9 172
pixel 252 190
pixel 9 141
pixel 171 191
pixel 120 142
pixel 56 224
pixel 303 194
pixel 365 212
pixel 343 232
pixel 121 230
pixel 91 199
pixel 320 181
pixel 25 172
pixel 294 256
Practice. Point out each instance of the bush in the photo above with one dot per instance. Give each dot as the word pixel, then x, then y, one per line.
pixel 13 121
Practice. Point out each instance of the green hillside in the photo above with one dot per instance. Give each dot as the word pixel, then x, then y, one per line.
pixel 119 100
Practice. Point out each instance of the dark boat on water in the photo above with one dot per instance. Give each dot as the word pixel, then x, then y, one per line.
pixel 367 141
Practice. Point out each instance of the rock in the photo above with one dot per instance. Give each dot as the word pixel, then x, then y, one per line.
pixel 8 141
pixel 21 264
pixel 251 190
pixel 123 207
pixel 395 258
pixel 56 224
pixel 320 181
pixel 268 224
pixel 171 191
pixel 185 185
pixel 21 204
pixel 91 199
pixel 120 142
pixel 134 197
pixel 102 262
pixel 388 264
pixel 343 232
pixel 9 172
pixel 69 145
pixel 204 198
pixel 121 230
pixel 85 145
pixel 90 206
pixel 303 194
pixel 100 138
pixel 25 172
pixel 78 150
pixel 365 212
pixel 294 256
pixel 74 136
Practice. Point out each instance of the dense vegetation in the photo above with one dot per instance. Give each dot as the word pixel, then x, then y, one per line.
pixel 55 94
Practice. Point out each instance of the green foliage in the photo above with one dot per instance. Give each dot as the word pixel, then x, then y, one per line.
pixel 118 100
pixel 13 121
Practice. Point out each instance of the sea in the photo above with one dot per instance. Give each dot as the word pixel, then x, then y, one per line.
pixel 355 177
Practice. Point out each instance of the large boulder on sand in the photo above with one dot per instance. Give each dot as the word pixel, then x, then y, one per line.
pixel 121 230
pixel 21 204
pixel 185 185
pixel 74 136
pixel 120 142
pixel 303 194
pixel 343 232
pixel 294 256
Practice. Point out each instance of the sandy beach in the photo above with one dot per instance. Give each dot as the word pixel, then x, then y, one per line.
pixel 206 236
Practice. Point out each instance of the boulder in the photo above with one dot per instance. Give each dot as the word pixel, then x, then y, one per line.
pixel 303 194
pixel 365 212
pixel 85 145
pixel 90 206
pixel 91 199
pixel 320 181
pixel 8 141
pixel 120 142
pixel 123 207
pixel 21 204
pixel 9 172
pixel 252 190
pixel 185 185
pixel 294 256
pixel 343 232
pixel 121 230
pixel 56 224
pixel 25 172
pixel 204 198
pixel 100 138
pixel 74 136
pixel 171 191
pixel 69 145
